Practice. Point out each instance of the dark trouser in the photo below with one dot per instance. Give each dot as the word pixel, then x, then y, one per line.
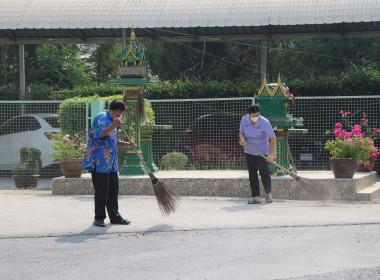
pixel 255 163
pixel 106 187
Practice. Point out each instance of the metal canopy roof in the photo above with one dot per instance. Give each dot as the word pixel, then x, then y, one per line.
pixel 101 21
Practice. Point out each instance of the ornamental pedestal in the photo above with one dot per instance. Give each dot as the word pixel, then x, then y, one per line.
pixel 135 76
pixel 274 102
pixel 132 164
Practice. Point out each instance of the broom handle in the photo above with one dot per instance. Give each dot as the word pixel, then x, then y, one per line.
pixel 260 154
pixel 137 153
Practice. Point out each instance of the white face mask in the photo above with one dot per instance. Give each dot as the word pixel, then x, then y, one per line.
pixel 255 119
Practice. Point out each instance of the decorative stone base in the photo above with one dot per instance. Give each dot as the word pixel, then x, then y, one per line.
pixel 223 183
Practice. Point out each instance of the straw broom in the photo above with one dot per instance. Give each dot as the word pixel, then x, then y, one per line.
pixel 167 197
pixel 315 188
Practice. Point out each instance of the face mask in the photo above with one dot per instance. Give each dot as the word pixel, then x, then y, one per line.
pixel 255 119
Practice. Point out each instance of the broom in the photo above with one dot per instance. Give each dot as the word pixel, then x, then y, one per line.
pixel 167 197
pixel 315 188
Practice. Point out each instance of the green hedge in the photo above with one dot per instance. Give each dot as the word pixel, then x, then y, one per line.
pixel 196 89
pixel 72 117
pixel 354 81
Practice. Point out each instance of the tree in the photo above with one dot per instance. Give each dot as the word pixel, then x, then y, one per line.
pixel 59 66
pixel 4 51
pixel 106 59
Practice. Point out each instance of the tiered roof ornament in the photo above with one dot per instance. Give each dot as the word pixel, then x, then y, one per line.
pixel 278 89
pixel 134 70
pixel 274 99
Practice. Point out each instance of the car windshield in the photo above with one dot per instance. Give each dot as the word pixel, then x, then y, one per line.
pixel 53 121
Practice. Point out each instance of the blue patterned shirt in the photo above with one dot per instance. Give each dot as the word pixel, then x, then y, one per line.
pixel 101 152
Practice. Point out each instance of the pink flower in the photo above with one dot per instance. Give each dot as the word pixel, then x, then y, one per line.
pixel 348 135
pixel 363 113
pixel 341 112
pixel 338 125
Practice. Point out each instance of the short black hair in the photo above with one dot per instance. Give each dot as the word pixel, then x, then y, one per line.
pixel 117 104
pixel 253 108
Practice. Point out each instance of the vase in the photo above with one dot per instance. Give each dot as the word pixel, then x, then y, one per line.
pixel 361 167
pixel 344 167
pixel 26 181
pixel 71 167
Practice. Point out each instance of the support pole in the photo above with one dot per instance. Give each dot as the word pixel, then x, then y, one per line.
pixel 123 45
pixel 21 59
pixel 263 60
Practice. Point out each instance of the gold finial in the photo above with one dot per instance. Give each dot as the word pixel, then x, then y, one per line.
pixel 133 36
pixel 279 79
pixel 265 79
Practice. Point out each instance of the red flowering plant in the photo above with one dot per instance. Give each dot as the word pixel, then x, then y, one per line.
pixel 357 143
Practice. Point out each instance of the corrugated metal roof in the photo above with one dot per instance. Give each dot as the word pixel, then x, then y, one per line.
pixel 78 18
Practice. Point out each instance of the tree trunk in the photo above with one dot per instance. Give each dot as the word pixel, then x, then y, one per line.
pixel 4 51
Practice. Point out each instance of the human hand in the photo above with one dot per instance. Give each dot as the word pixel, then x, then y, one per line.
pixel 243 142
pixel 270 158
pixel 117 121
pixel 132 145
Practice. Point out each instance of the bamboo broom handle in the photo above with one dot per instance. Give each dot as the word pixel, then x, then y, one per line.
pixel 279 166
pixel 137 153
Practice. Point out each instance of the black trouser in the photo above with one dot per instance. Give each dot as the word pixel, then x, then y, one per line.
pixel 106 187
pixel 255 163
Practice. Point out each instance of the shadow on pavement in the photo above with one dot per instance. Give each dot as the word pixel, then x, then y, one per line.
pixel 243 207
pixel 158 228
pixel 86 235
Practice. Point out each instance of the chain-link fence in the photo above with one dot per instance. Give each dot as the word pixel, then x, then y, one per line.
pixel 26 132
pixel 320 114
pixel 206 130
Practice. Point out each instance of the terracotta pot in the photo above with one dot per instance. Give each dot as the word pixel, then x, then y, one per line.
pixel 71 167
pixel 344 167
pixel 26 181
pixel 361 167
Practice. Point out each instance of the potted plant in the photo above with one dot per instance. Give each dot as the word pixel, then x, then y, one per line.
pixel 365 130
pixel 69 150
pixel 25 174
pixel 348 149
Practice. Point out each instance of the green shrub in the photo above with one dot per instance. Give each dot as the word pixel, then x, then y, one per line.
pixel 72 117
pixel 9 92
pixel 196 89
pixel 40 91
pixel 29 162
pixel 100 90
pixel 176 161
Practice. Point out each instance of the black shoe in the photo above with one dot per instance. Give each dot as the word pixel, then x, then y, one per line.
pixel 121 221
pixel 253 201
pixel 99 223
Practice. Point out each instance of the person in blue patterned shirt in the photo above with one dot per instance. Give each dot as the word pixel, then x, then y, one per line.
pixel 101 160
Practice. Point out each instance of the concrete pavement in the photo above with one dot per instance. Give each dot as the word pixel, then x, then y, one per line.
pixel 38 213
pixel 45 236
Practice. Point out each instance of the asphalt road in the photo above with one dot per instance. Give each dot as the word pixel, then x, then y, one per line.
pixel 51 237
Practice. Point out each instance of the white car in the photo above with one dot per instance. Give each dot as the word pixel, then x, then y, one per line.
pixel 30 130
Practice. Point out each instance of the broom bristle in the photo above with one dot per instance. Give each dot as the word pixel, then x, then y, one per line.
pixel 167 198
pixel 317 189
